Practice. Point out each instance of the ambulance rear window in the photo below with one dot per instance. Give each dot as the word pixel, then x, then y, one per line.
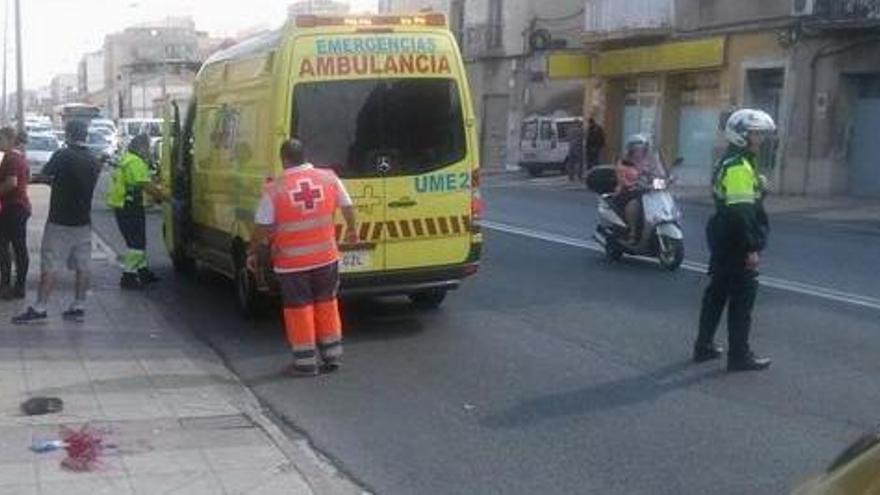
pixel 412 125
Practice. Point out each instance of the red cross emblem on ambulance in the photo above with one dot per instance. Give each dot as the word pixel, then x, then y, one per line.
pixel 306 195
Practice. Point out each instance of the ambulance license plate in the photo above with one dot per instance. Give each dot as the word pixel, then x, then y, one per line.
pixel 355 260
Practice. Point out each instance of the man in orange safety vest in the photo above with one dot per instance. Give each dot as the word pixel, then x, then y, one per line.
pixel 297 211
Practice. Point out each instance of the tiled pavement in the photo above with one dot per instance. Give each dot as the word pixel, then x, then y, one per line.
pixel 180 422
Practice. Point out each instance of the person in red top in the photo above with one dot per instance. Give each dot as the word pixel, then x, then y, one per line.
pixel 16 209
pixel 297 211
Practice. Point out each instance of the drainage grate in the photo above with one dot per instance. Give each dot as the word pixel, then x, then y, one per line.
pixel 223 422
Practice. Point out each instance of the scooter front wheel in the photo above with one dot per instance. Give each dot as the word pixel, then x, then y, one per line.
pixel 671 253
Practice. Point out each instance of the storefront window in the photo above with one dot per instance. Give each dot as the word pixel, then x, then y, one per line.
pixel 641 101
pixel 699 111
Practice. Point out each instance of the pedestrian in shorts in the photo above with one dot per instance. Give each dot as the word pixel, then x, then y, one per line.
pixel 72 173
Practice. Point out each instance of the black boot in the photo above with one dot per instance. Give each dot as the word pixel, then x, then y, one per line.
pixel 749 362
pixel 707 352
pixel 130 281
pixel 146 276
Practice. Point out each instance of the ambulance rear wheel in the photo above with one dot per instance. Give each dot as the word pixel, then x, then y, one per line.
pixel 182 264
pixel 429 299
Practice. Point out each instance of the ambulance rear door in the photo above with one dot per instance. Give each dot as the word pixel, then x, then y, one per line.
pixel 386 110
pixel 430 174
pixel 330 120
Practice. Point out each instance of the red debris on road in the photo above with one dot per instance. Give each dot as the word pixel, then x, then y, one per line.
pixel 84 448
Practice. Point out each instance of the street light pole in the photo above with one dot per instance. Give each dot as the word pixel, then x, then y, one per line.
pixel 5 56
pixel 19 97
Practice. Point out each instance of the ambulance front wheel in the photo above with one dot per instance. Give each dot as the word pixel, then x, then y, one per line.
pixel 429 299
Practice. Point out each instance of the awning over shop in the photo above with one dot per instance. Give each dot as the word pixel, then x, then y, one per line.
pixel 666 57
pixel 568 65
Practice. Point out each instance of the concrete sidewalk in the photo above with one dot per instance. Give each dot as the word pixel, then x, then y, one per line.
pixel 178 420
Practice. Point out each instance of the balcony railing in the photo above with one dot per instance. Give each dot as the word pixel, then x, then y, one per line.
pixel 609 19
pixel 848 11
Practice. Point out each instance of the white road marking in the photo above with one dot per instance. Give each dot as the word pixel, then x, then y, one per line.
pixel 774 282
pixel 101 250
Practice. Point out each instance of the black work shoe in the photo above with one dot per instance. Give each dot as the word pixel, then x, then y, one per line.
pixel 703 353
pixel 146 276
pixel 130 281
pixel 750 362
pixel 29 316
pixel 327 368
pixel 297 371
pixel 74 314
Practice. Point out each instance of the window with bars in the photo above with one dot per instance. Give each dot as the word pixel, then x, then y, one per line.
pixel 495 34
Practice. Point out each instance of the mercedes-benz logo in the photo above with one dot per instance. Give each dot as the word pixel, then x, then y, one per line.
pixel 384 165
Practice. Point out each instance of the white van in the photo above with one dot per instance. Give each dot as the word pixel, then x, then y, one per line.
pixel 545 143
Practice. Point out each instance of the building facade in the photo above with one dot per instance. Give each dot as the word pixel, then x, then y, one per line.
pixel 92 83
pixel 674 69
pixel 64 88
pixel 148 64
pixel 91 73
pixel 303 7
pixel 510 49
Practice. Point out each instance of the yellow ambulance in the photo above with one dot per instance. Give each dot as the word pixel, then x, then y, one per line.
pixel 381 100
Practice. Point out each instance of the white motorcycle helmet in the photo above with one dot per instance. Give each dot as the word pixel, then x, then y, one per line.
pixel 744 121
pixel 637 140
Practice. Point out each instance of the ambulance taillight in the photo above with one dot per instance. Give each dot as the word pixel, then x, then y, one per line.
pixel 477 205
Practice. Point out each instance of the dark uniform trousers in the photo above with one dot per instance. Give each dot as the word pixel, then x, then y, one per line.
pixel 730 285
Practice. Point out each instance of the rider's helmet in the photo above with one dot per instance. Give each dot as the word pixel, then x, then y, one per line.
pixel 743 122
pixel 638 141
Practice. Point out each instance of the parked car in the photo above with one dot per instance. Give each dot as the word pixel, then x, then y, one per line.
pixel 39 149
pixel 109 133
pixel 101 146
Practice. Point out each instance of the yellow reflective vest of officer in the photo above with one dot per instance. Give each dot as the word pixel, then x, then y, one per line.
pixel 127 182
pixel 740 224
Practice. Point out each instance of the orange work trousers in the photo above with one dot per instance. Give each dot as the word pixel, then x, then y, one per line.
pixel 311 315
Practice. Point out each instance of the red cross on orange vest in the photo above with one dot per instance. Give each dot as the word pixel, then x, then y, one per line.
pixel 308 196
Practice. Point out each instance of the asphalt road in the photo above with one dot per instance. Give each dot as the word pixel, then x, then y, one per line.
pixel 555 372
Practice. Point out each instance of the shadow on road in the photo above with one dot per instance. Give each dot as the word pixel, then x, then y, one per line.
pixel 381 319
pixel 597 398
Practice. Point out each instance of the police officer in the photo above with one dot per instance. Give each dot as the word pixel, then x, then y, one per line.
pixel 736 235
pixel 297 211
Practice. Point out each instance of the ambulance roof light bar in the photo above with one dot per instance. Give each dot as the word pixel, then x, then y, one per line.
pixel 428 19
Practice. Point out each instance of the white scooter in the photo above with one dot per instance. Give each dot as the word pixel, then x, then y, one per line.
pixel 661 235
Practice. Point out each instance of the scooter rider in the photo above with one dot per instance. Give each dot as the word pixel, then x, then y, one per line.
pixel 736 235
pixel 636 162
